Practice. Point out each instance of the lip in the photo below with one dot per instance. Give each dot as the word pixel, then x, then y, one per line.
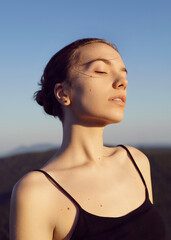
pixel 120 96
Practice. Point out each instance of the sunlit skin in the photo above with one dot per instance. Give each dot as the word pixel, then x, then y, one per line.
pixel 98 76
pixel 103 180
pixel 88 107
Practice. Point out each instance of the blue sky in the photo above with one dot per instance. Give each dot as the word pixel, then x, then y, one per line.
pixel 32 31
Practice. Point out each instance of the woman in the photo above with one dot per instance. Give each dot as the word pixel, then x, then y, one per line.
pixel 86 191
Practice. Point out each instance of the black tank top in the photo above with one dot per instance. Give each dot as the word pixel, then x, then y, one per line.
pixel 143 223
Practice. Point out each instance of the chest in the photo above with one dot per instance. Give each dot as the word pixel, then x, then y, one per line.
pixel 106 193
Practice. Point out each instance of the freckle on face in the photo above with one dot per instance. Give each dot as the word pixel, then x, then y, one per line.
pixel 68 208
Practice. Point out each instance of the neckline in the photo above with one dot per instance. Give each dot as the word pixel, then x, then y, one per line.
pixel 125 216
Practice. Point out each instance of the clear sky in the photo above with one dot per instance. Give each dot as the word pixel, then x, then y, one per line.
pixel 32 31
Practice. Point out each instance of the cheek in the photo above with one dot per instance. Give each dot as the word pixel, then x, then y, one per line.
pixel 86 96
pixel 91 100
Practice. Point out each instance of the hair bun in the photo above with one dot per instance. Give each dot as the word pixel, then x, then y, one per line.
pixel 45 98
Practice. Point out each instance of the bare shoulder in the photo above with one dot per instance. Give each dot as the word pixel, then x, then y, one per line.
pixel 33 191
pixel 29 208
pixel 30 186
pixel 143 164
pixel 39 210
pixel 140 158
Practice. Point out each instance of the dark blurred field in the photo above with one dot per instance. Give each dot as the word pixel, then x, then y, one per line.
pixel 14 167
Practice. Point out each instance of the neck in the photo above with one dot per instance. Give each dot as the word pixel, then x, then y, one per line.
pixel 82 143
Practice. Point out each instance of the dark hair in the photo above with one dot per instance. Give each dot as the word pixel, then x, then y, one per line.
pixel 57 71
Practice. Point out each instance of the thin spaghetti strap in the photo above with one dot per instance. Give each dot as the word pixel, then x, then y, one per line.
pixel 59 186
pixel 133 161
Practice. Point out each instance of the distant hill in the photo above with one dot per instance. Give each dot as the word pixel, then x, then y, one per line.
pixel 29 149
pixel 12 168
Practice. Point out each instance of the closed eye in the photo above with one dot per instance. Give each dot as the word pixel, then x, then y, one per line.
pixel 101 72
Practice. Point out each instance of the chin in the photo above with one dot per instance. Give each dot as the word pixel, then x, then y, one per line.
pixel 114 121
pixel 100 120
pixel 116 118
pixel 111 120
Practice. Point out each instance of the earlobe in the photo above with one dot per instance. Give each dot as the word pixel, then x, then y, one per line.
pixel 61 94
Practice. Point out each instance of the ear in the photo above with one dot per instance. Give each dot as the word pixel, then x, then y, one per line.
pixel 61 92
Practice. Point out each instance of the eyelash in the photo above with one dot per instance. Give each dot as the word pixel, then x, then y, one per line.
pixel 101 72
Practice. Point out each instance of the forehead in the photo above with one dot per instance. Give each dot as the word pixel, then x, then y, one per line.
pixel 94 51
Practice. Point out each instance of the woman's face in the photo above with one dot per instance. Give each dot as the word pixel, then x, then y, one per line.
pixel 98 92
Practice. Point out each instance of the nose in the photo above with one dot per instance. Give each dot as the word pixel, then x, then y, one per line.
pixel 120 84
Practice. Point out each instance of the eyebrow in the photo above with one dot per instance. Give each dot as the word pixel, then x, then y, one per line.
pixel 107 61
pixel 123 69
pixel 98 59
